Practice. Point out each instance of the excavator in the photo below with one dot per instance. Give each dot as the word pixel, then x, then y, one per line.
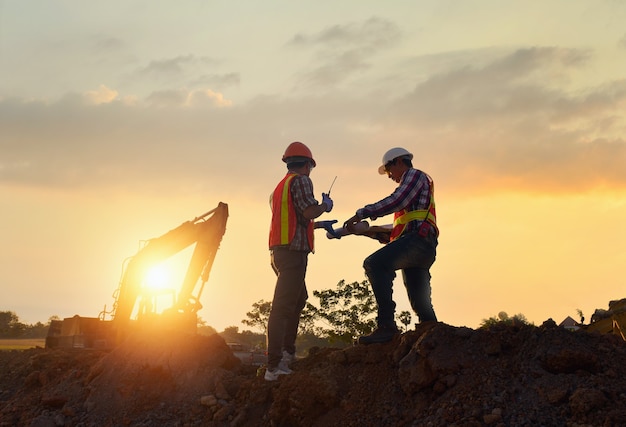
pixel 135 303
pixel 611 321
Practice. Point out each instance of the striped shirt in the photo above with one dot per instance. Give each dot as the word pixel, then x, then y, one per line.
pixel 413 193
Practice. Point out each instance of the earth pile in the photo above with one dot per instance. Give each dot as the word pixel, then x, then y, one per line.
pixel 435 375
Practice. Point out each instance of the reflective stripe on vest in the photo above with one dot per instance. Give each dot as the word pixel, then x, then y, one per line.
pixel 415 215
pixel 287 227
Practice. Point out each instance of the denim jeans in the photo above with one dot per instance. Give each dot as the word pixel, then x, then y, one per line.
pixel 413 255
pixel 290 297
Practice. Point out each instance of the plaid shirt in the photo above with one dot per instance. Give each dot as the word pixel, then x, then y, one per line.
pixel 302 197
pixel 413 193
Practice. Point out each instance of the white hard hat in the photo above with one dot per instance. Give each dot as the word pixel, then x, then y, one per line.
pixel 394 153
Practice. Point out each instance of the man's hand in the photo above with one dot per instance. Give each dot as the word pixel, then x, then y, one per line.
pixel 328 226
pixel 326 200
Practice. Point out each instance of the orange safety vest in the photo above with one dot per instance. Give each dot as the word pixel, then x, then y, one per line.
pixel 284 218
pixel 403 217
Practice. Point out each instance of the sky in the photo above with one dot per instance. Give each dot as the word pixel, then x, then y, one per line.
pixel 121 120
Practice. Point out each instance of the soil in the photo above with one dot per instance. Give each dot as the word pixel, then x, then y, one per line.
pixel 435 375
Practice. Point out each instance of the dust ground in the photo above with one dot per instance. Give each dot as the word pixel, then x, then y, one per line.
pixel 436 375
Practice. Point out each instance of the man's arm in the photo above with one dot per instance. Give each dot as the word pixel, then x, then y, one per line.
pixel 302 192
pixel 314 211
pixel 408 190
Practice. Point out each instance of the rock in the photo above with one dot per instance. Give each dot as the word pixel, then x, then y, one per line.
pixel 585 400
pixel 209 400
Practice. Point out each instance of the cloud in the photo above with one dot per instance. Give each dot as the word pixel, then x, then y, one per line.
pixel 72 143
pixel 185 70
pixel 207 97
pixel 217 80
pixel 102 95
pixel 185 98
pixel 505 86
pixel 374 32
pixel 512 123
pixel 108 45
pixel 336 70
pixel 166 67
pixel 341 51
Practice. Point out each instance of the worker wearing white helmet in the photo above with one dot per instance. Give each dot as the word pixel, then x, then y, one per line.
pixel 411 245
pixel 290 241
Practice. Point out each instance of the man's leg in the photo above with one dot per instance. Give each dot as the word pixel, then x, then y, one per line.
pixel 291 331
pixel 407 252
pixel 417 283
pixel 290 267
pixel 416 277
pixel 380 271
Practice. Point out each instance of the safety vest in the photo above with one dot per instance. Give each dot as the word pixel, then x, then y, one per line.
pixel 284 218
pixel 403 217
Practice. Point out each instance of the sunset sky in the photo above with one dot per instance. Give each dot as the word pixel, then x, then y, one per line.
pixel 120 120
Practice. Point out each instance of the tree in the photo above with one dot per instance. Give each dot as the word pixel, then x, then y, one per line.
pixel 259 315
pixel 253 340
pixel 10 326
pixel 38 330
pixel 503 318
pixel 230 334
pixel 405 318
pixel 348 311
pixel 580 315
pixel 307 320
pixel 344 313
pixel 204 329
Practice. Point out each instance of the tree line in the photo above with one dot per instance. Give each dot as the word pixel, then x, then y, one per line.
pixel 336 317
pixel 11 327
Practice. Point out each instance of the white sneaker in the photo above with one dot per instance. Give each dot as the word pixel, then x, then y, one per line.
pixel 274 374
pixel 284 363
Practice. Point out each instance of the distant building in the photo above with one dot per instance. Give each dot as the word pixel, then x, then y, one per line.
pixel 569 323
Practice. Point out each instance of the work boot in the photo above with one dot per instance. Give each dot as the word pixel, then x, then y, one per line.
pixel 285 362
pixel 380 335
pixel 273 374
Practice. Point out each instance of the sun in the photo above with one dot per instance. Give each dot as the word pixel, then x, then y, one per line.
pixel 160 285
pixel 157 293
pixel 157 278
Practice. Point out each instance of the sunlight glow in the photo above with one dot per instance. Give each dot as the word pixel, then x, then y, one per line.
pixel 161 283
pixel 157 277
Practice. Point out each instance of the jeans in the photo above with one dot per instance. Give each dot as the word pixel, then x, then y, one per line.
pixel 413 255
pixel 290 297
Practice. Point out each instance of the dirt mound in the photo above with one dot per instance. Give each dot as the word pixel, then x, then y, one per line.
pixel 437 375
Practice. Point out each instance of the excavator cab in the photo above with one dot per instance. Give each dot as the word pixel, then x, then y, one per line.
pixel 135 305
